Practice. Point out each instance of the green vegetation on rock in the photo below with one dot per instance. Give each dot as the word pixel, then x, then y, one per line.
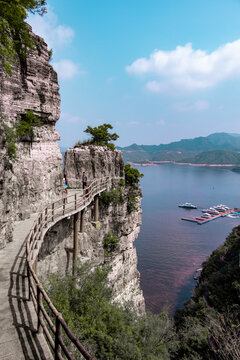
pixel 132 175
pixel 14 33
pixel 108 331
pixel 21 130
pixel 113 196
pixel 100 136
pixel 110 243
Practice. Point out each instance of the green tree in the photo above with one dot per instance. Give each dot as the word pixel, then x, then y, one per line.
pixel 101 135
pixel 14 32
pixel 132 175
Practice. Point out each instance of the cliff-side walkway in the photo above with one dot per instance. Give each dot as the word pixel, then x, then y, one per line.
pixel 19 338
pixel 18 320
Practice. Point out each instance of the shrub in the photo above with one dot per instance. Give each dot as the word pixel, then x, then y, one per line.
pixel 110 243
pixel 10 135
pixel 132 176
pixel 131 203
pixel 22 130
pixel 108 331
pixel 25 125
pixel 114 196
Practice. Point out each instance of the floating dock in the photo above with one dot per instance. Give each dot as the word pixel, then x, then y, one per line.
pixel 200 220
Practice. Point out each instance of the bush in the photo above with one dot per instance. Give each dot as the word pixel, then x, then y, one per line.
pixel 10 136
pixel 114 196
pixel 132 176
pixel 22 130
pixel 25 125
pixel 110 243
pixel 131 203
pixel 108 331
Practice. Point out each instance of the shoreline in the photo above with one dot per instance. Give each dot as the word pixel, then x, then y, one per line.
pixel 155 163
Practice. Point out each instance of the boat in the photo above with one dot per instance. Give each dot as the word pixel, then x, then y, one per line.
pixel 187 206
pixel 197 274
pixel 211 211
pixel 235 215
pixel 206 215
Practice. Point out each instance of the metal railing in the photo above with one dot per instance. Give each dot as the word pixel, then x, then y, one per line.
pixel 53 330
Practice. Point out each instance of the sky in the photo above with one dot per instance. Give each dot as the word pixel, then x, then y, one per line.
pixel 158 71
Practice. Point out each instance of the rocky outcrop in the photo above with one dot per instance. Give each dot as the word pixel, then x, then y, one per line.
pixel 95 161
pixel 36 177
pixel 114 218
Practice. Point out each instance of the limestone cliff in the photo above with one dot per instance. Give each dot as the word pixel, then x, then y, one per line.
pixel 114 218
pixel 36 176
pixel 95 161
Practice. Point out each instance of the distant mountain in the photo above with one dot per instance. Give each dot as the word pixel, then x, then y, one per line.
pixel 219 157
pixel 178 150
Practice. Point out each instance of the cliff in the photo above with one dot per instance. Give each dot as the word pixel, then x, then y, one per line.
pixel 36 176
pixel 95 161
pixel 115 218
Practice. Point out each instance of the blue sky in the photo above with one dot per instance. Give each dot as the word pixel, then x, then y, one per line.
pixel 158 71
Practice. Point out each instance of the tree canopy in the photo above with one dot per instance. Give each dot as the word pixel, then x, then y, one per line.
pixel 15 39
pixel 101 135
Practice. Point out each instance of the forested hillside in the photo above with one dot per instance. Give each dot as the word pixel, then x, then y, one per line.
pixel 183 149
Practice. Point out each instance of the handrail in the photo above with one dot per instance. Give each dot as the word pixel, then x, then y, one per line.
pixel 51 214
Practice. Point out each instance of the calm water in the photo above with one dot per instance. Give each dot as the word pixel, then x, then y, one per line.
pixel 169 249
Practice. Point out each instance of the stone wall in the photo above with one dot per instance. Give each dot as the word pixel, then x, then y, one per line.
pixel 36 177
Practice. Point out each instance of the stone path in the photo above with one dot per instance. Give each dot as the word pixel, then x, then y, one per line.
pixel 18 320
pixel 17 315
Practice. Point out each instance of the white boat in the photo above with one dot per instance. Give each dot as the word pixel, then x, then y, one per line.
pixel 187 206
pixel 206 215
pixel 211 211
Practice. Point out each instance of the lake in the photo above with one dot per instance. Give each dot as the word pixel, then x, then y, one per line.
pixel 170 249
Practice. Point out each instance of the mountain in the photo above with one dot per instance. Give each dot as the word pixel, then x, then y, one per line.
pixel 183 149
pixel 219 157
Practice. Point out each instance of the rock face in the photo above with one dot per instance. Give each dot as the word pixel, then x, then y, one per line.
pixel 36 177
pixel 114 218
pixel 95 161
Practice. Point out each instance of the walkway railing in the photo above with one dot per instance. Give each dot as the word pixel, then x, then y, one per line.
pixel 53 329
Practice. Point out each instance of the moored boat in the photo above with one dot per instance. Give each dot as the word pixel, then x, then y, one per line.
pixel 187 206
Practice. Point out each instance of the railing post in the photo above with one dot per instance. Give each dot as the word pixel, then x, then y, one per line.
pixel 75 201
pixel 29 282
pixel 57 350
pixel 96 207
pixel 53 212
pixel 82 221
pixel 64 205
pixel 75 243
pixel 39 311
pixel 46 216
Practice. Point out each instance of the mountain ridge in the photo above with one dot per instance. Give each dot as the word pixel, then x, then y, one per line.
pixel 183 149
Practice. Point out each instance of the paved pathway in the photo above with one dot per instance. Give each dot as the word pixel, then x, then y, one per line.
pixel 18 320
pixel 17 315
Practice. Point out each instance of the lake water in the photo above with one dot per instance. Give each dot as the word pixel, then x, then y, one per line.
pixel 170 249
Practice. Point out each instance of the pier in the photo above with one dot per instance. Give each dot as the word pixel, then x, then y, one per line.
pixel 199 220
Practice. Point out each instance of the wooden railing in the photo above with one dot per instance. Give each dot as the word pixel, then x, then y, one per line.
pixel 53 329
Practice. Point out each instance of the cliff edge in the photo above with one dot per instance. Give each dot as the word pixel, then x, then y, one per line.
pixel 35 177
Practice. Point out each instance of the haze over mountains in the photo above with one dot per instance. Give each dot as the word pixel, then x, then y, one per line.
pixel 218 148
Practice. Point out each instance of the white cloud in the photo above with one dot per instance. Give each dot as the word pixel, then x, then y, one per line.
pixel 160 122
pixel 71 118
pixel 199 105
pixel 67 69
pixel 54 34
pixel 133 123
pixel 187 69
